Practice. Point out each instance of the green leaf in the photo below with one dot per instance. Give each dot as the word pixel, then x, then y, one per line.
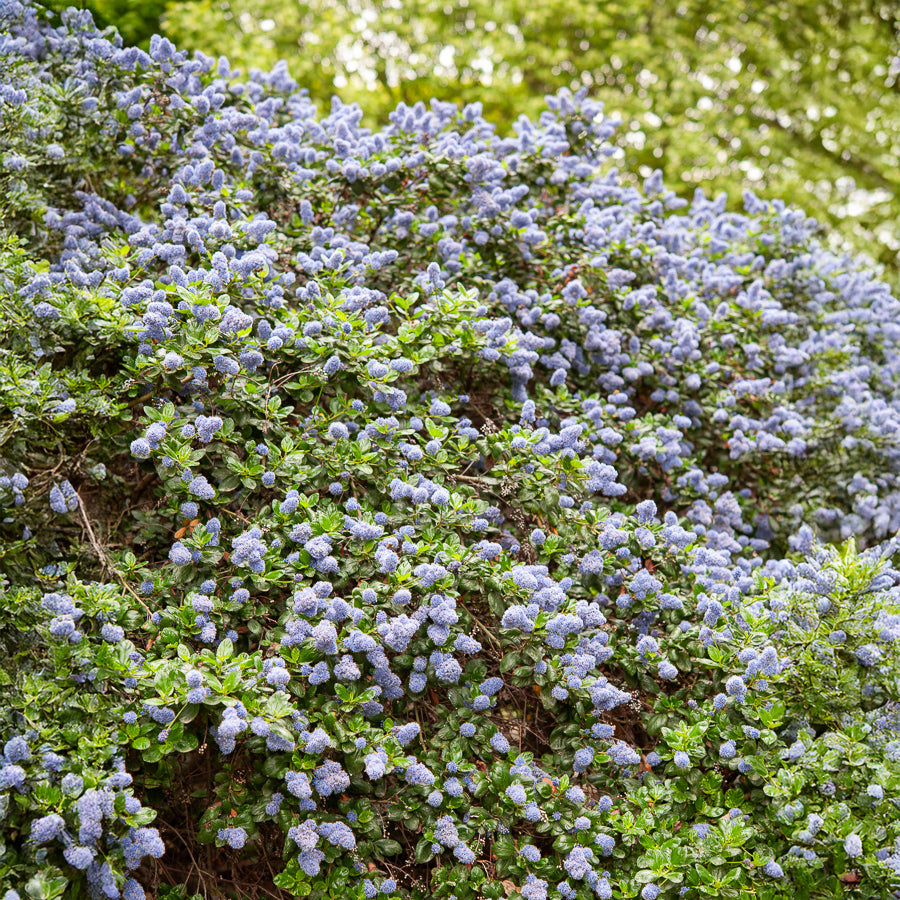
pixel 153 755
pixel 504 847
pixel 387 847
pixel 47 885
pixel 278 706
pixel 144 816
pixel 344 693
pixel 423 851
pixel 281 731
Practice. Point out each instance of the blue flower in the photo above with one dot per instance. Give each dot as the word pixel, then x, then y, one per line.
pixel 310 861
pixel 330 778
pixel 405 734
pixel 418 773
pixel 338 834
pixel 234 837
pixel 666 670
pixel 298 785
pixel 445 832
pixel 488 550
pixel 773 870
pixel 500 743
pixel 79 857
pixel 112 633
pixel 453 787
pixel 47 828
pixel 16 749
pixel 375 764
pixel 735 687
pixel 534 888
pixel 140 448
pixel 172 361
pixel 853 846
pixel 606 843
pixel 180 555
pixel 517 794
pixel 578 863
pixel 73 784
pixel 583 758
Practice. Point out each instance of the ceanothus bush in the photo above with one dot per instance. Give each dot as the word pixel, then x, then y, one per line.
pixel 425 512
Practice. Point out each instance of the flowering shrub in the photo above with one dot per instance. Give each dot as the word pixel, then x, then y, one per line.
pixel 423 513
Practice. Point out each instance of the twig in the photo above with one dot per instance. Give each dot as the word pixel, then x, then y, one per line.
pixel 104 559
pixel 524 724
pixel 98 549
pixel 194 863
pixel 271 870
pixel 482 627
pixel 144 482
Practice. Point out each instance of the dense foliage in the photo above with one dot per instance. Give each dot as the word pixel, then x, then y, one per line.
pixel 788 98
pixel 425 513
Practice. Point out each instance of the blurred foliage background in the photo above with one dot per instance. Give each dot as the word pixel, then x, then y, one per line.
pixel 798 100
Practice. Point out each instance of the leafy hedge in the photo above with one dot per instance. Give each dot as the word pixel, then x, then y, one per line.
pixel 425 513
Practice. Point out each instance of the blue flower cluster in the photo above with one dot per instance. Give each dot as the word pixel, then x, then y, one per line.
pixel 370 573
